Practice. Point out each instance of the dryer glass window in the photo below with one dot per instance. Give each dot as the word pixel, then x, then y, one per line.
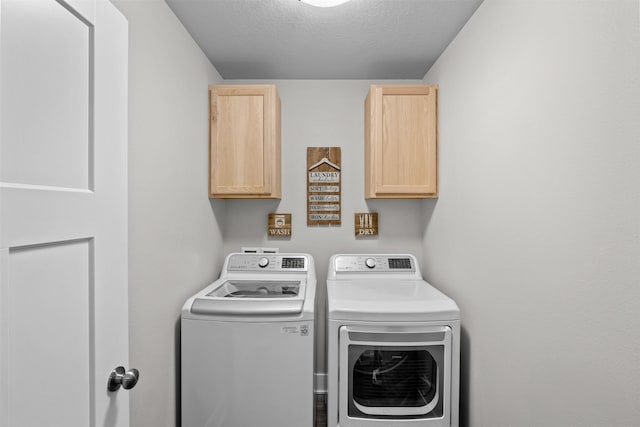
pixel 395 382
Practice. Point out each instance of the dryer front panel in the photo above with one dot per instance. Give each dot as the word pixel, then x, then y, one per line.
pixel 394 376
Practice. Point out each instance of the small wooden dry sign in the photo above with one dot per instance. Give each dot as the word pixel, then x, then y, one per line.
pixel 366 224
pixel 279 225
pixel 324 183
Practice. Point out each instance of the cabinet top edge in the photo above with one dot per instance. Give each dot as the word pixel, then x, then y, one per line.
pixel 431 85
pixel 257 86
pixel 382 90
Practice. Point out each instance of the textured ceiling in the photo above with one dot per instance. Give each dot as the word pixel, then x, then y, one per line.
pixel 288 39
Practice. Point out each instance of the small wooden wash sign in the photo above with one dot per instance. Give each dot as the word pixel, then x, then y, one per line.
pixel 279 225
pixel 324 182
pixel 366 224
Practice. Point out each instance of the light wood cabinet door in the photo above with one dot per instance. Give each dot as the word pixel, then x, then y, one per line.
pixel 244 142
pixel 401 147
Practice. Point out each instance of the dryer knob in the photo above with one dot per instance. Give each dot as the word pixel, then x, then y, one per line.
pixel 370 262
pixel 263 262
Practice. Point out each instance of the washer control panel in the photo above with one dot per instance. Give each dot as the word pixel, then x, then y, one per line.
pixel 266 262
pixel 375 263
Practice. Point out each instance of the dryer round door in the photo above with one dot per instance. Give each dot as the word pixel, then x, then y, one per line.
pixel 389 376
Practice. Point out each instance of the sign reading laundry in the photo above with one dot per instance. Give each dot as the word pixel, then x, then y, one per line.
pixel 324 177
pixel 324 183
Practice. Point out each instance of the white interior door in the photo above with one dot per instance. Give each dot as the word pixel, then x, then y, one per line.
pixel 63 213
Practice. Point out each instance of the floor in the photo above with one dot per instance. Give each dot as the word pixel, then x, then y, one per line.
pixel 321 410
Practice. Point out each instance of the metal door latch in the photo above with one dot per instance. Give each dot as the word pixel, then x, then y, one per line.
pixel 118 377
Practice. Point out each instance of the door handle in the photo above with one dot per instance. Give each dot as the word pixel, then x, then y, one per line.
pixel 118 377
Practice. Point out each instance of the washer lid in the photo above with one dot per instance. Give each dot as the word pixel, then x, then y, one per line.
pixel 389 300
pixel 255 297
pixel 257 289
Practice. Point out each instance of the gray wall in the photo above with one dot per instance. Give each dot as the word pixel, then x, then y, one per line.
pixel 324 113
pixel 536 233
pixel 175 237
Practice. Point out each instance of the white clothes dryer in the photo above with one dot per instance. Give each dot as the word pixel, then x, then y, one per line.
pixel 247 345
pixel 393 345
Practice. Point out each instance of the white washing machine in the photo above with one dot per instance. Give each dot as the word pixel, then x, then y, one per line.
pixel 393 345
pixel 248 345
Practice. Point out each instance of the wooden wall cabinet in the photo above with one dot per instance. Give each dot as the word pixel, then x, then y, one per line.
pixel 401 146
pixel 244 149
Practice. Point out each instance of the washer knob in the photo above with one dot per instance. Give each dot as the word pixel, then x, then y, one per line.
pixel 263 262
pixel 370 262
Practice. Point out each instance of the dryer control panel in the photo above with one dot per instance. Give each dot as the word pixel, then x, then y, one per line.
pixel 266 262
pixel 374 263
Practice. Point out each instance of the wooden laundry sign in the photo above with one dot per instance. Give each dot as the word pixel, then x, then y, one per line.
pixel 366 224
pixel 279 225
pixel 324 182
